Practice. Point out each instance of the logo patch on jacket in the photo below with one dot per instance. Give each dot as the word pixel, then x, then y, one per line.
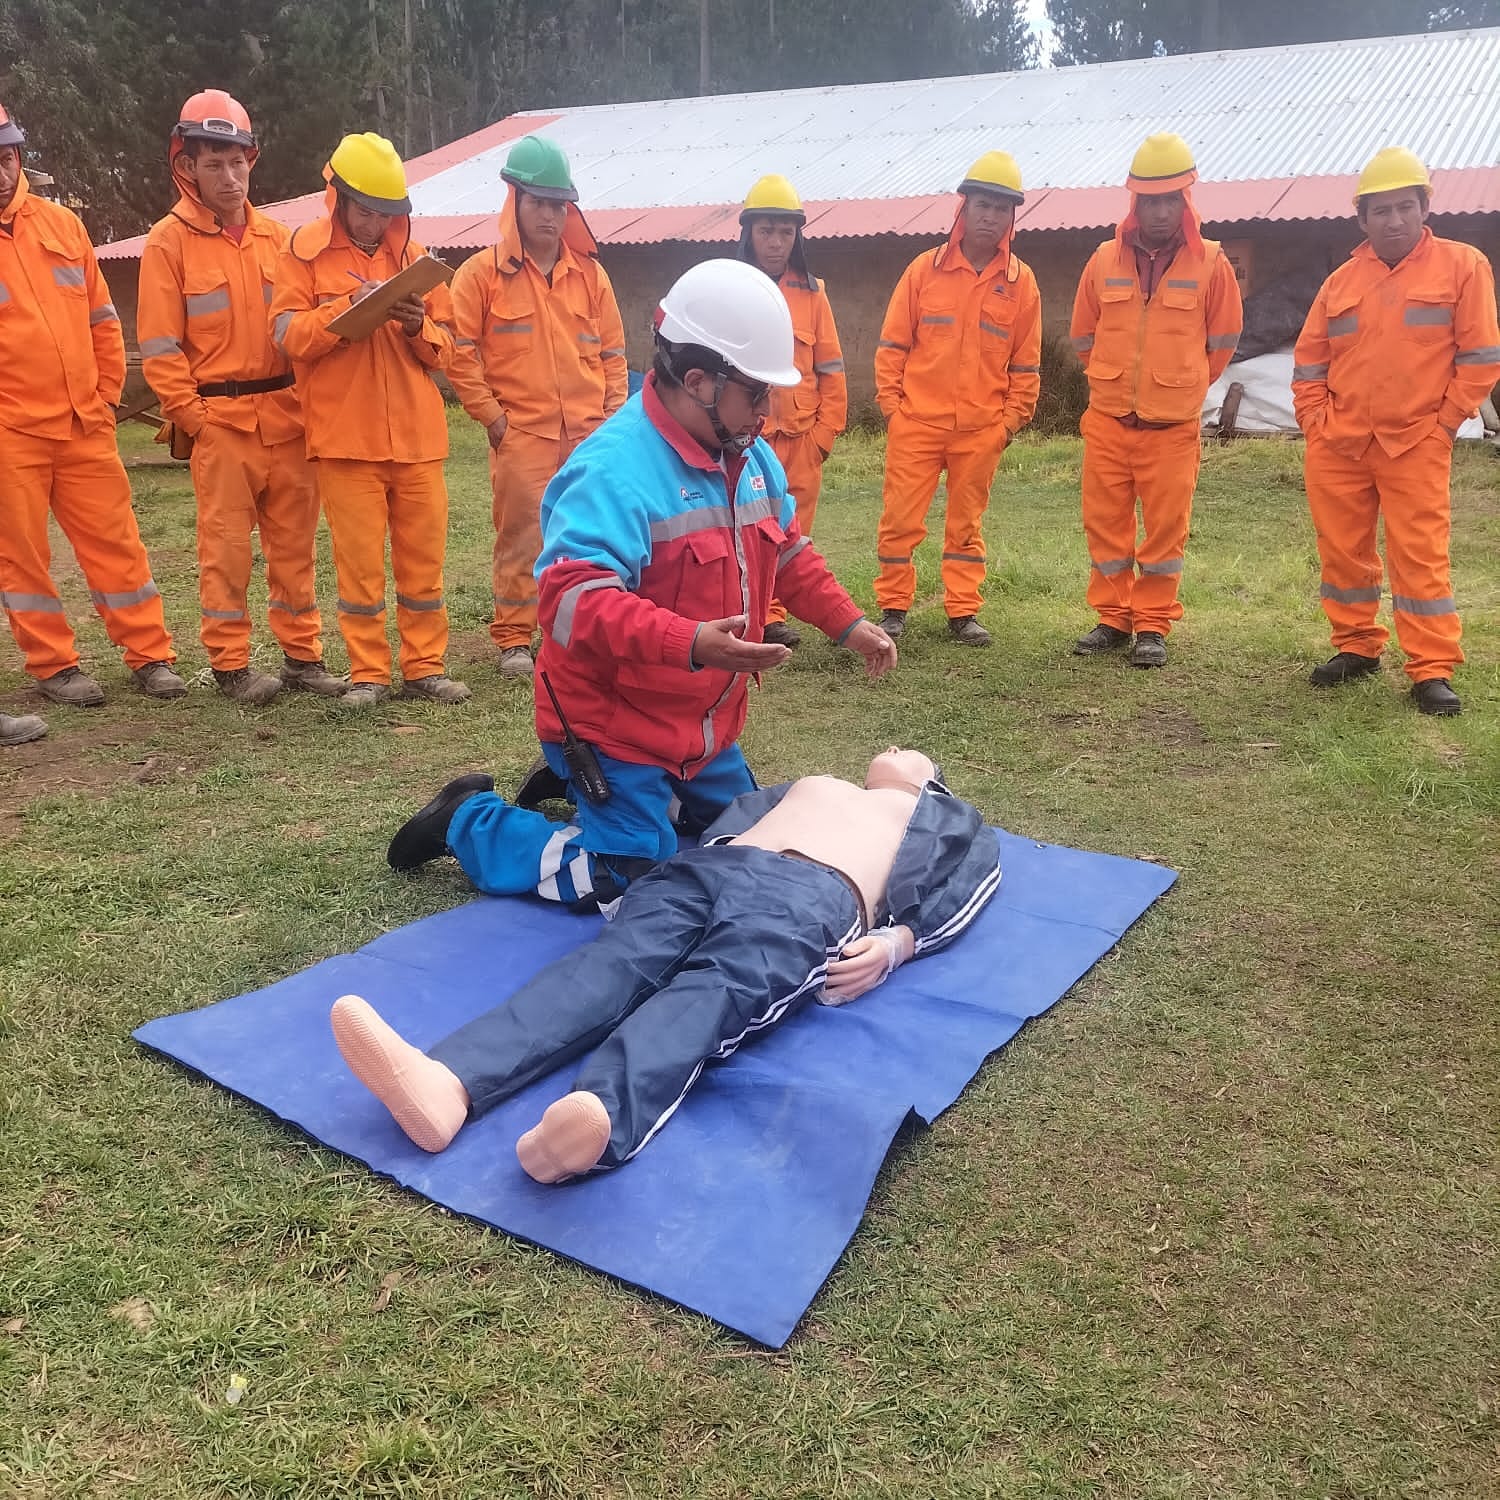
pixel 758 483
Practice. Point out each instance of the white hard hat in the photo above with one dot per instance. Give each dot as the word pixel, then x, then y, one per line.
pixel 736 311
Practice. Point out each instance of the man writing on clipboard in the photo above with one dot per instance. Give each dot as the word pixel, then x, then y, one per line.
pixel 375 422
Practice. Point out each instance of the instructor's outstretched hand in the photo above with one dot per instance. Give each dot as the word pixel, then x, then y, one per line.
pixel 877 648
pixel 719 644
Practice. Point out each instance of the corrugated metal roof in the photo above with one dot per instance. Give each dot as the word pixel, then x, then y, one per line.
pixel 1278 133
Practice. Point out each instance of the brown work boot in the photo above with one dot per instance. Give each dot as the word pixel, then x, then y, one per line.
pixel 967 631
pixel 893 622
pixel 780 633
pixel 157 680
pixel 312 677
pixel 364 695
pixel 73 688
pixel 246 685
pixel 21 729
pixel 437 688
pixel 1150 649
pixel 516 661
pixel 1100 639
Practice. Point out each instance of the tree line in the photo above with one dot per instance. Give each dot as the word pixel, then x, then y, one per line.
pixel 97 83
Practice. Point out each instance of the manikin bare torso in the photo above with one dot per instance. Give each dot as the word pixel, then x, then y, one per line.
pixel 856 830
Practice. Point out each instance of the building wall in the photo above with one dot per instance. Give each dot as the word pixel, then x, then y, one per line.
pixel 861 274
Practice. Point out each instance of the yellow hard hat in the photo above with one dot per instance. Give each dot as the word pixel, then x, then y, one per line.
pixel 1395 167
pixel 773 195
pixel 367 168
pixel 995 172
pixel 1163 164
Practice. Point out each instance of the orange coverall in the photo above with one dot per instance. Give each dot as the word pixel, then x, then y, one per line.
pixel 957 373
pixel 62 367
pixel 805 419
pixel 378 433
pixel 1150 363
pixel 1389 357
pixel 550 357
pixel 201 321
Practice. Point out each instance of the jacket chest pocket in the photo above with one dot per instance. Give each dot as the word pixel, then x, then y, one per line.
pixel 937 326
pixel 699 579
pixel 511 333
pixel 1343 321
pixel 1427 317
pixel 206 307
pixel 63 271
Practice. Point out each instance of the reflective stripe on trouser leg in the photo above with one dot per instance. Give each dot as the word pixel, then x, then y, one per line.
pixel 1415 505
pixel 229 470
pixel 1109 520
pixel 1344 503
pixel 91 500
pixel 1166 474
pixel 972 459
pixel 31 602
pixel 804 479
pixel 914 458
pixel 419 543
pixel 354 496
pixel 519 470
pixel 289 539
pixel 766 929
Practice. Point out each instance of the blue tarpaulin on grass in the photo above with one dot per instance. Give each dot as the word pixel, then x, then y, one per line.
pixel 742 1205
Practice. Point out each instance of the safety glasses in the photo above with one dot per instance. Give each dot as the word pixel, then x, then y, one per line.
pixel 756 392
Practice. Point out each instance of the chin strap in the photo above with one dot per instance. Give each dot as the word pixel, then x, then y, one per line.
pixel 738 446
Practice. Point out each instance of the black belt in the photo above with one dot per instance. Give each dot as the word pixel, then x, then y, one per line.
pixel 248 387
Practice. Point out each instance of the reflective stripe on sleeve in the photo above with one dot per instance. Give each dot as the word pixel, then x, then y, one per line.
pixel 1222 341
pixel 1016 369
pixel 613 353
pixel 892 344
pixel 283 322
pixel 104 313
pixel 1084 343
pixel 156 348
pixel 796 547
pixel 829 367
pixel 1486 354
pixel 1309 372
pixel 562 624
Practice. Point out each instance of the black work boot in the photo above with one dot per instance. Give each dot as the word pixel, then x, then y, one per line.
pixel 424 837
pixel 781 633
pixel 1150 649
pixel 967 631
pixel 1344 667
pixel 1101 638
pixel 1436 696
pixel 893 622
pixel 541 784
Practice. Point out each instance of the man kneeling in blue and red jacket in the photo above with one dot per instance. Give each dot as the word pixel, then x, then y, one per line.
pixel 811 891
pixel 665 538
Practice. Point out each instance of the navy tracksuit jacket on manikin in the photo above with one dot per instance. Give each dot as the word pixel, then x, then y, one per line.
pixel 710 947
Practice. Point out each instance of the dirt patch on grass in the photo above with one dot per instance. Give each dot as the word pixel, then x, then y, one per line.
pixel 1168 726
pixel 80 761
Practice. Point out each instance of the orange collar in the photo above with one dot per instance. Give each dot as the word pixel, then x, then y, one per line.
pixel 578 240
pixel 954 247
pixel 20 199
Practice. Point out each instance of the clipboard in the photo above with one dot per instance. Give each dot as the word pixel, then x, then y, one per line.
pixel 419 278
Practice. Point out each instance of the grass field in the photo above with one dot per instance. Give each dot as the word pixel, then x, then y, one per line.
pixel 1221 1224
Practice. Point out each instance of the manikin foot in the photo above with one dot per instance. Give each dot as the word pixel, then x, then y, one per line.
pixel 426 1099
pixel 568 1139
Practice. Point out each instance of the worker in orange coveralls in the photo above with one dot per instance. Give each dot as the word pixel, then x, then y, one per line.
pixel 206 275
pixel 540 364
pixel 957 373
pixel 1400 347
pixel 62 368
pixel 806 418
pixel 374 418
pixel 1155 322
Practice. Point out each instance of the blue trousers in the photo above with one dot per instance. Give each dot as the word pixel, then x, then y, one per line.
pixel 706 950
pixel 511 851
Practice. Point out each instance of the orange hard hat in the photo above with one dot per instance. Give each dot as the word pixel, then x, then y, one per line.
pixel 213 115
pixel 11 134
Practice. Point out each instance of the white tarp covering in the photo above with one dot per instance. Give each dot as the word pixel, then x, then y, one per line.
pixel 1267 403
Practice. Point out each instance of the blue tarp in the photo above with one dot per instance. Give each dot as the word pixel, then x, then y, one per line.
pixel 742 1205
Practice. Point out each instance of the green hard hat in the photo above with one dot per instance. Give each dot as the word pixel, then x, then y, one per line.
pixel 538 166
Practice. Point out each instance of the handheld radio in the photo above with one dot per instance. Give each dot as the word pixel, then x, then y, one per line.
pixel 583 765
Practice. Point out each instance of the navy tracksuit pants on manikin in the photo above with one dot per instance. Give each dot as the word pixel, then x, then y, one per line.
pixel 707 949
